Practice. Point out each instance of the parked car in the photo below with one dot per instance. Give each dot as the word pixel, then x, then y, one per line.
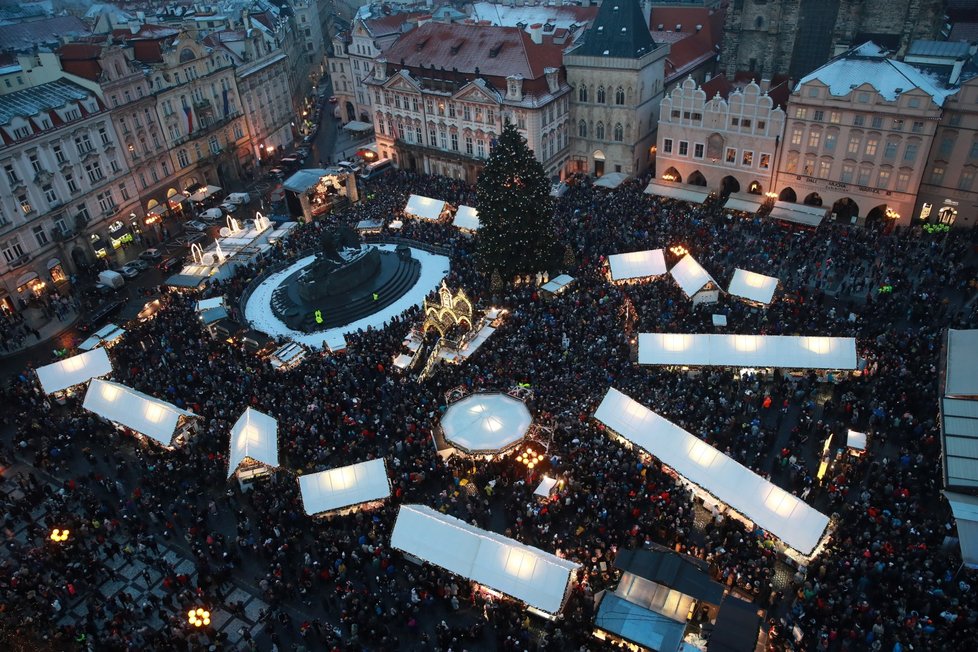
pixel 309 138
pixel 96 317
pixel 210 215
pixel 350 166
pixel 141 265
pixel 129 271
pixel 194 225
pixel 151 255
pixel 170 264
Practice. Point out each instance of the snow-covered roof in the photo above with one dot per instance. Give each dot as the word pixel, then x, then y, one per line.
pixel 254 435
pixel 40 99
pixel 868 64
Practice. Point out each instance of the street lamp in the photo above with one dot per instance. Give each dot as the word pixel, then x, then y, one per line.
pixel 679 250
pixel 59 536
pixel 199 617
pixel 529 458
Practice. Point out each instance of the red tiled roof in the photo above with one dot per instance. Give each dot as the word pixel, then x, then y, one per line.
pixel 494 51
pixel 392 24
pixel 147 51
pixel 690 48
pixel 81 59
pixel 718 85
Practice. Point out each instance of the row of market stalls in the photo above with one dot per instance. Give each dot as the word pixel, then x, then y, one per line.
pixel 716 478
pixel 802 214
pixel 747 351
pixel 425 208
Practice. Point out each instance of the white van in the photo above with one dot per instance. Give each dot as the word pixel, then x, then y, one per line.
pixel 111 279
pixel 378 169
pixel 239 198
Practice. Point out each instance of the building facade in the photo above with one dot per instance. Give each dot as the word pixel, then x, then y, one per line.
pixel 60 197
pixel 949 192
pixel 727 142
pixel 444 121
pixel 774 37
pixel 857 135
pixel 617 77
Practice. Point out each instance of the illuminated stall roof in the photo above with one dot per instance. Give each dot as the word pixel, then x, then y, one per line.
pixel 558 284
pixel 466 217
pixel 776 351
pixel 108 334
pixel 637 264
pixel 75 370
pixel 139 412
pixel 424 207
pixel 486 423
pixel 537 578
pixel 682 192
pixel 753 286
pixel 254 435
pixel 690 275
pixel 344 486
pixel 965 510
pixel 770 507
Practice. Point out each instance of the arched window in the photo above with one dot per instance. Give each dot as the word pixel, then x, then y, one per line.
pixel 599 131
pixel 582 129
pixel 600 94
pixel 620 96
pixel 582 93
pixel 619 133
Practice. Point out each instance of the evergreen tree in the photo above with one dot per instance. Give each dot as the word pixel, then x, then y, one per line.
pixel 515 209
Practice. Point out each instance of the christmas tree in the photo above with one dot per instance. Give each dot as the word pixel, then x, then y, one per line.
pixel 515 209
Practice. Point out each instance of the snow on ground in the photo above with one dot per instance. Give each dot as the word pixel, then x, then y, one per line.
pixel 259 312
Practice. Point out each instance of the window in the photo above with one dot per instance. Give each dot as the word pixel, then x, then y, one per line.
pixel 973 152
pixel 582 132
pixel 835 117
pixel 675 113
pixel 454 141
pixel 35 163
pixel 937 175
pixel 94 170
pixel 890 149
pixel 105 201
pixel 113 165
pixel 823 169
pixel 897 125
pixel 847 171
pixel 12 250
pixel 731 156
pixel 432 137
pixel 863 98
pixel 466 112
pixel 747 158
pixel 814 138
pixel 83 144
pixel 599 133
pixel 25 204
pixel 480 148
pixel 917 127
pixel 871 145
pixel 791 163
pixel 734 122
pixel 903 181
pixel 601 98
pixel 812 92
pixel 914 102
pixel 666 144
pixel 884 179
pixel 830 142
pixel 698 150
pixel 468 145
pixel 182 158
pixel 103 135
pixel 620 96
pixel 761 124
pixel 910 153
pixel 70 181
pixel 818 116
pixel 22 132
pixel 49 194
pixel 124 191
pixel 443 139
pixel 801 113
pixel 620 136
pixel 582 94
pixel 12 177
pixel 854 143
pixel 683 148
pixel 877 122
pixel 796 135
pixel 765 162
pixel 83 214
pixel 946 147
pixel 967 179
pixel 40 235
pixel 417 134
pixel 859 120
pixel 59 154
pixel 451 109
pixel 863 179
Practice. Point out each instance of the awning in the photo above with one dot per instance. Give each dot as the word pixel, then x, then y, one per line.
pixel 25 279
pixel 54 262
pixel 682 192
pixel 344 486
pixel 965 510
pixel 742 204
pixel 159 209
pixel 204 193
pixel 357 126
pixel 611 180
pixel 798 213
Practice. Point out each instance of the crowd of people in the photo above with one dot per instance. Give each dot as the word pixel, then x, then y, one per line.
pixel 887 580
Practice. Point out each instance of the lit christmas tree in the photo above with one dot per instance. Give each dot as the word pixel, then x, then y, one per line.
pixel 515 209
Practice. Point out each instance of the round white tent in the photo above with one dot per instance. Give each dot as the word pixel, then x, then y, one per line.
pixel 485 424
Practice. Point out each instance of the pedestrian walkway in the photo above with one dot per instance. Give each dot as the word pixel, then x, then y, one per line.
pixel 47 329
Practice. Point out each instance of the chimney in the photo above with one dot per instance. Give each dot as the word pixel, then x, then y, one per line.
pixel 553 78
pixel 955 75
pixel 380 69
pixel 514 88
pixel 536 33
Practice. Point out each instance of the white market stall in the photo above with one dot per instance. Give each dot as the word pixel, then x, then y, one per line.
pixel 539 579
pixel 288 356
pixel 204 193
pixel 254 444
pixel 745 351
pixel 965 510
pixel 765 504
pixel 680 191
pixel 798 213
pixel 466 218
pixel 344 487
pixel 695 281
pixel 64 374
pixel 558 284
pixel 486 423
pixel 637 264
pixel 143 414
pixel 856 442
pixel 210 304
pixel 106 336
pixel 753 287
pixel 611 180
pixel 425 208
pixel 747 203
pixel 546 487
